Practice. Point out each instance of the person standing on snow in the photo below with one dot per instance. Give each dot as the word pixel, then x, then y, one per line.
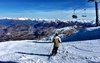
pixel 56 41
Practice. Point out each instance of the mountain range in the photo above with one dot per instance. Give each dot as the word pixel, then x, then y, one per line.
pixel 24 28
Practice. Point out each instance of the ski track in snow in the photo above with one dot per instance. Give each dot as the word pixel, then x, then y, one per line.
pixel 38 52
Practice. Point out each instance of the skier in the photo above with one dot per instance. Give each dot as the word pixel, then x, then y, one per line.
pixel 56 41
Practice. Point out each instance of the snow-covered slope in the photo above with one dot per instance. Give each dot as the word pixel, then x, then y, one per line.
pixel 85 34
pixel 38 52
pixel 33 51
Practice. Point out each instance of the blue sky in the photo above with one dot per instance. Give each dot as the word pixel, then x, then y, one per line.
pixel 50 9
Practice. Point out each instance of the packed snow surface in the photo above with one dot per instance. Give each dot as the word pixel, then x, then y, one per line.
pixel 34 51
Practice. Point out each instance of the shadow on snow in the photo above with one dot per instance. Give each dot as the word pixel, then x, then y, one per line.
pixel 73 40
pixel 41 42
pixel 33 54
pixel 8 62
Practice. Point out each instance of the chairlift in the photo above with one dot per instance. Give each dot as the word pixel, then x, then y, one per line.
pixel 74 16
pixel 84 13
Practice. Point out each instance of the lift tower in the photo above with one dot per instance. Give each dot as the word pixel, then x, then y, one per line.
pixel 96 8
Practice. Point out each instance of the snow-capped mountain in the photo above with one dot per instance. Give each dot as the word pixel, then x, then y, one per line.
pixel 11 21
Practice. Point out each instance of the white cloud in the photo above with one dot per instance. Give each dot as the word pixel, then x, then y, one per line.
pixel 58 14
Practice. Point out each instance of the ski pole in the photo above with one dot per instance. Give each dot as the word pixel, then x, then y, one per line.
pixel 50 49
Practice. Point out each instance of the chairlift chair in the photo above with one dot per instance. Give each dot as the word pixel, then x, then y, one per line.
pixel 74 16
pixel 84 13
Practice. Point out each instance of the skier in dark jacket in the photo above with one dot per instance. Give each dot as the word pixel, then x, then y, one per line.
pixel 57 42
